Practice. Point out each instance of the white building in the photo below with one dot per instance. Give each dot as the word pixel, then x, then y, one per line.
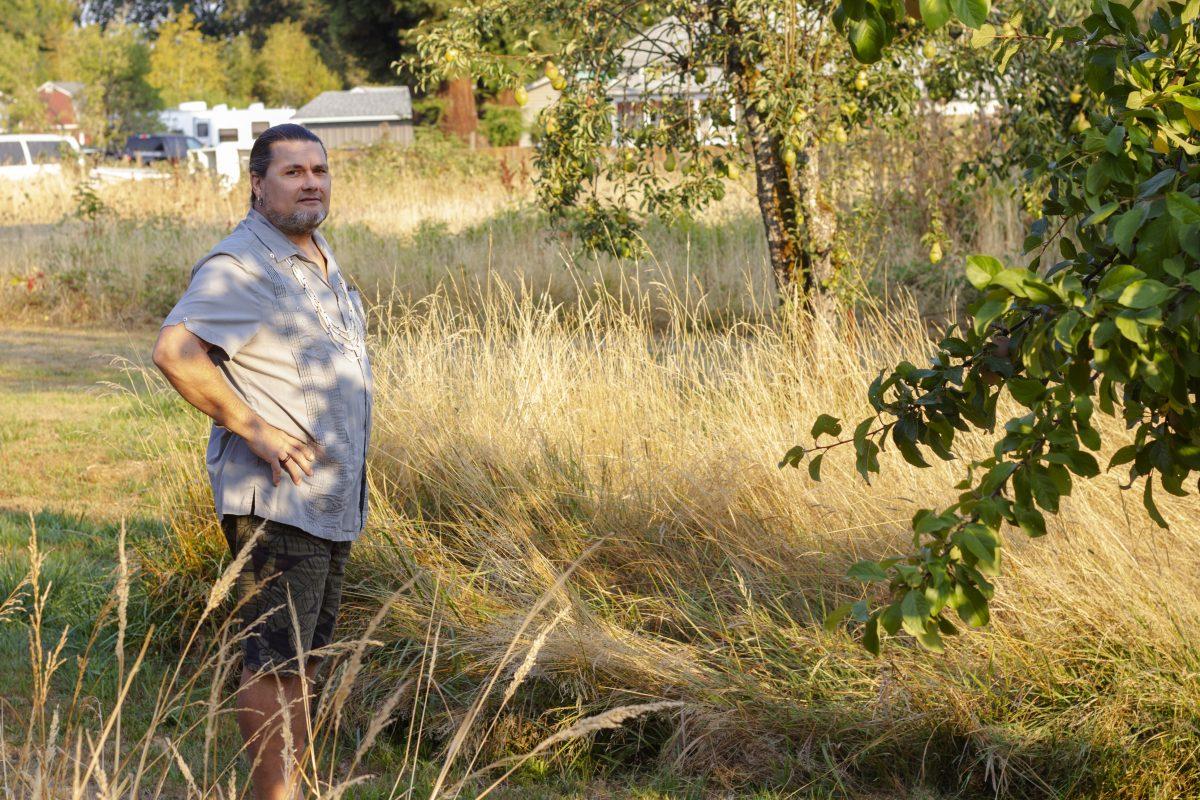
pixel 218 124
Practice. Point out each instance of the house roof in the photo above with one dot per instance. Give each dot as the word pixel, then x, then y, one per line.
pixel 70 88
pixel 647 67
pixel 360 104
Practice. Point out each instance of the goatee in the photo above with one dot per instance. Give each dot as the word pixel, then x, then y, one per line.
pixel 297 222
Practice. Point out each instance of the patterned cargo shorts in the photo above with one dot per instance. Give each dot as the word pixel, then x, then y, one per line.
pixel 294 564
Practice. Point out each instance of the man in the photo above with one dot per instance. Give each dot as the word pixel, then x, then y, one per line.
pixel 268 342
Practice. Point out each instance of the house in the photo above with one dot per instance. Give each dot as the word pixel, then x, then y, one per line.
pixel 362 115
pixel 218 124
pixel 647 80
pixel 60 98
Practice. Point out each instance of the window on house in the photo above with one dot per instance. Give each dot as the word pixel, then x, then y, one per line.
pixel 202 130
pixel 257 128
pixel 227 134
pixel 11 154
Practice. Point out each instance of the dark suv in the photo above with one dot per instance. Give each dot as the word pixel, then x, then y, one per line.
pixel 172 147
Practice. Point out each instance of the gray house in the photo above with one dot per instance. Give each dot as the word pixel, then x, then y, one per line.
pixel 362 115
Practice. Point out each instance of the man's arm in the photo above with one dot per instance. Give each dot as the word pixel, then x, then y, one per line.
pixel 182 356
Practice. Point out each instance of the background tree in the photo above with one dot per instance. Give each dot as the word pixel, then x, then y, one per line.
pixel 113 64
pixel 776 73
pixel 184 65
pixel 1112 325
pixel 243 70
pixel 31 41
pixel 292 70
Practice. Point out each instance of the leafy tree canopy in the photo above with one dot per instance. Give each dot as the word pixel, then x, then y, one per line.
pixel 1110 326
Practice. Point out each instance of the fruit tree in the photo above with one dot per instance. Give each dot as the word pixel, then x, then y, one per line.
pixel 1112 326
pixel 775 78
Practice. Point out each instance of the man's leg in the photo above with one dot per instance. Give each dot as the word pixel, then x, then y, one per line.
pixel 293 567
pixel 266 702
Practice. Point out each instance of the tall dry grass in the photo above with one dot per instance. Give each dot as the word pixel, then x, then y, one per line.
pixel 169 734
pixel 406 222
pixel 516 435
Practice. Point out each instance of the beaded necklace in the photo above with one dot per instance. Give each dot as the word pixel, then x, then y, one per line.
pixel 351 342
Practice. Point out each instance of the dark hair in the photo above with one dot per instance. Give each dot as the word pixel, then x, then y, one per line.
pixel 260 153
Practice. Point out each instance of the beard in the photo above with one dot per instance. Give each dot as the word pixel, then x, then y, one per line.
pixel 294 223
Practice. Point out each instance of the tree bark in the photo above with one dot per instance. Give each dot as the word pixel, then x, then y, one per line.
pixel 461 118
pixel 777 202
pixel 800 226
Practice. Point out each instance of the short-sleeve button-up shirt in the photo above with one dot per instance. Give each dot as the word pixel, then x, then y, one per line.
pixel 270 342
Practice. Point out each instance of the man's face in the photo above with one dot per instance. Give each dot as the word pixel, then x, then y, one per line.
pixel 294 194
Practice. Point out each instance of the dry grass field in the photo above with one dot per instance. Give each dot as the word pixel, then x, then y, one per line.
pixel 582 564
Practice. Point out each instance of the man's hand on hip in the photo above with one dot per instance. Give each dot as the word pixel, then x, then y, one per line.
pixel 281 450
pixel 183 358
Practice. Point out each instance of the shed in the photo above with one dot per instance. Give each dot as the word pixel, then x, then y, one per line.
pixel 362 115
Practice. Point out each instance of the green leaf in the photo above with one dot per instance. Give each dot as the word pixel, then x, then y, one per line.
pixel 837 615
pixel 793 457
pixel 1032 521
pixel 983 36
pixel 1144 293
pixel 1116 279
pixel 1026 391
pixel 981 543
pixel 1183 208
pixel 867 38
pixel 826 424
pixel 935 13
pixel 1123 456
pixel 1101 214
pixel 1127 226
pixel 914 610
pixel 867 459
pixel 930 639
pixel 970 604
pixel 870 640
pixel 971 13
pixel 867 572
pixel 814 467
pixel 981 269
pixel 989 312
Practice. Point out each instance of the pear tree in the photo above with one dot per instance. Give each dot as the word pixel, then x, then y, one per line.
pixel 1101 318
pixel 715 90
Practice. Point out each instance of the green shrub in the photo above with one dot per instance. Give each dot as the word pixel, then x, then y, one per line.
pixel 502 125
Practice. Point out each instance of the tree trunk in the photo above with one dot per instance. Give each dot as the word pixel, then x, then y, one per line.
pixel 800 226
pixel 777 202
pixel 460 118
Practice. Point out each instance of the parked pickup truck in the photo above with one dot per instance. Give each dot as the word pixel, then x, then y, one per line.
pixel 146 147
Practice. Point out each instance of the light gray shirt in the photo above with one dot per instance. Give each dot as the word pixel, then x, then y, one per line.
pixel 269 342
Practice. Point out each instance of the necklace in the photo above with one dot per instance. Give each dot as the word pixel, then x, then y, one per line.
pixel 351 341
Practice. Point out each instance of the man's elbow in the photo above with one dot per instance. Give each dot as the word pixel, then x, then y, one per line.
pixel 170 348
pixel 161 355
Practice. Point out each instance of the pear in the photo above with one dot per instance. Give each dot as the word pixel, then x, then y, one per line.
pixel 520 95
pixel 789 157
pixel 935 253
pixel 860 80
pixel 929 50
pixel 669 161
